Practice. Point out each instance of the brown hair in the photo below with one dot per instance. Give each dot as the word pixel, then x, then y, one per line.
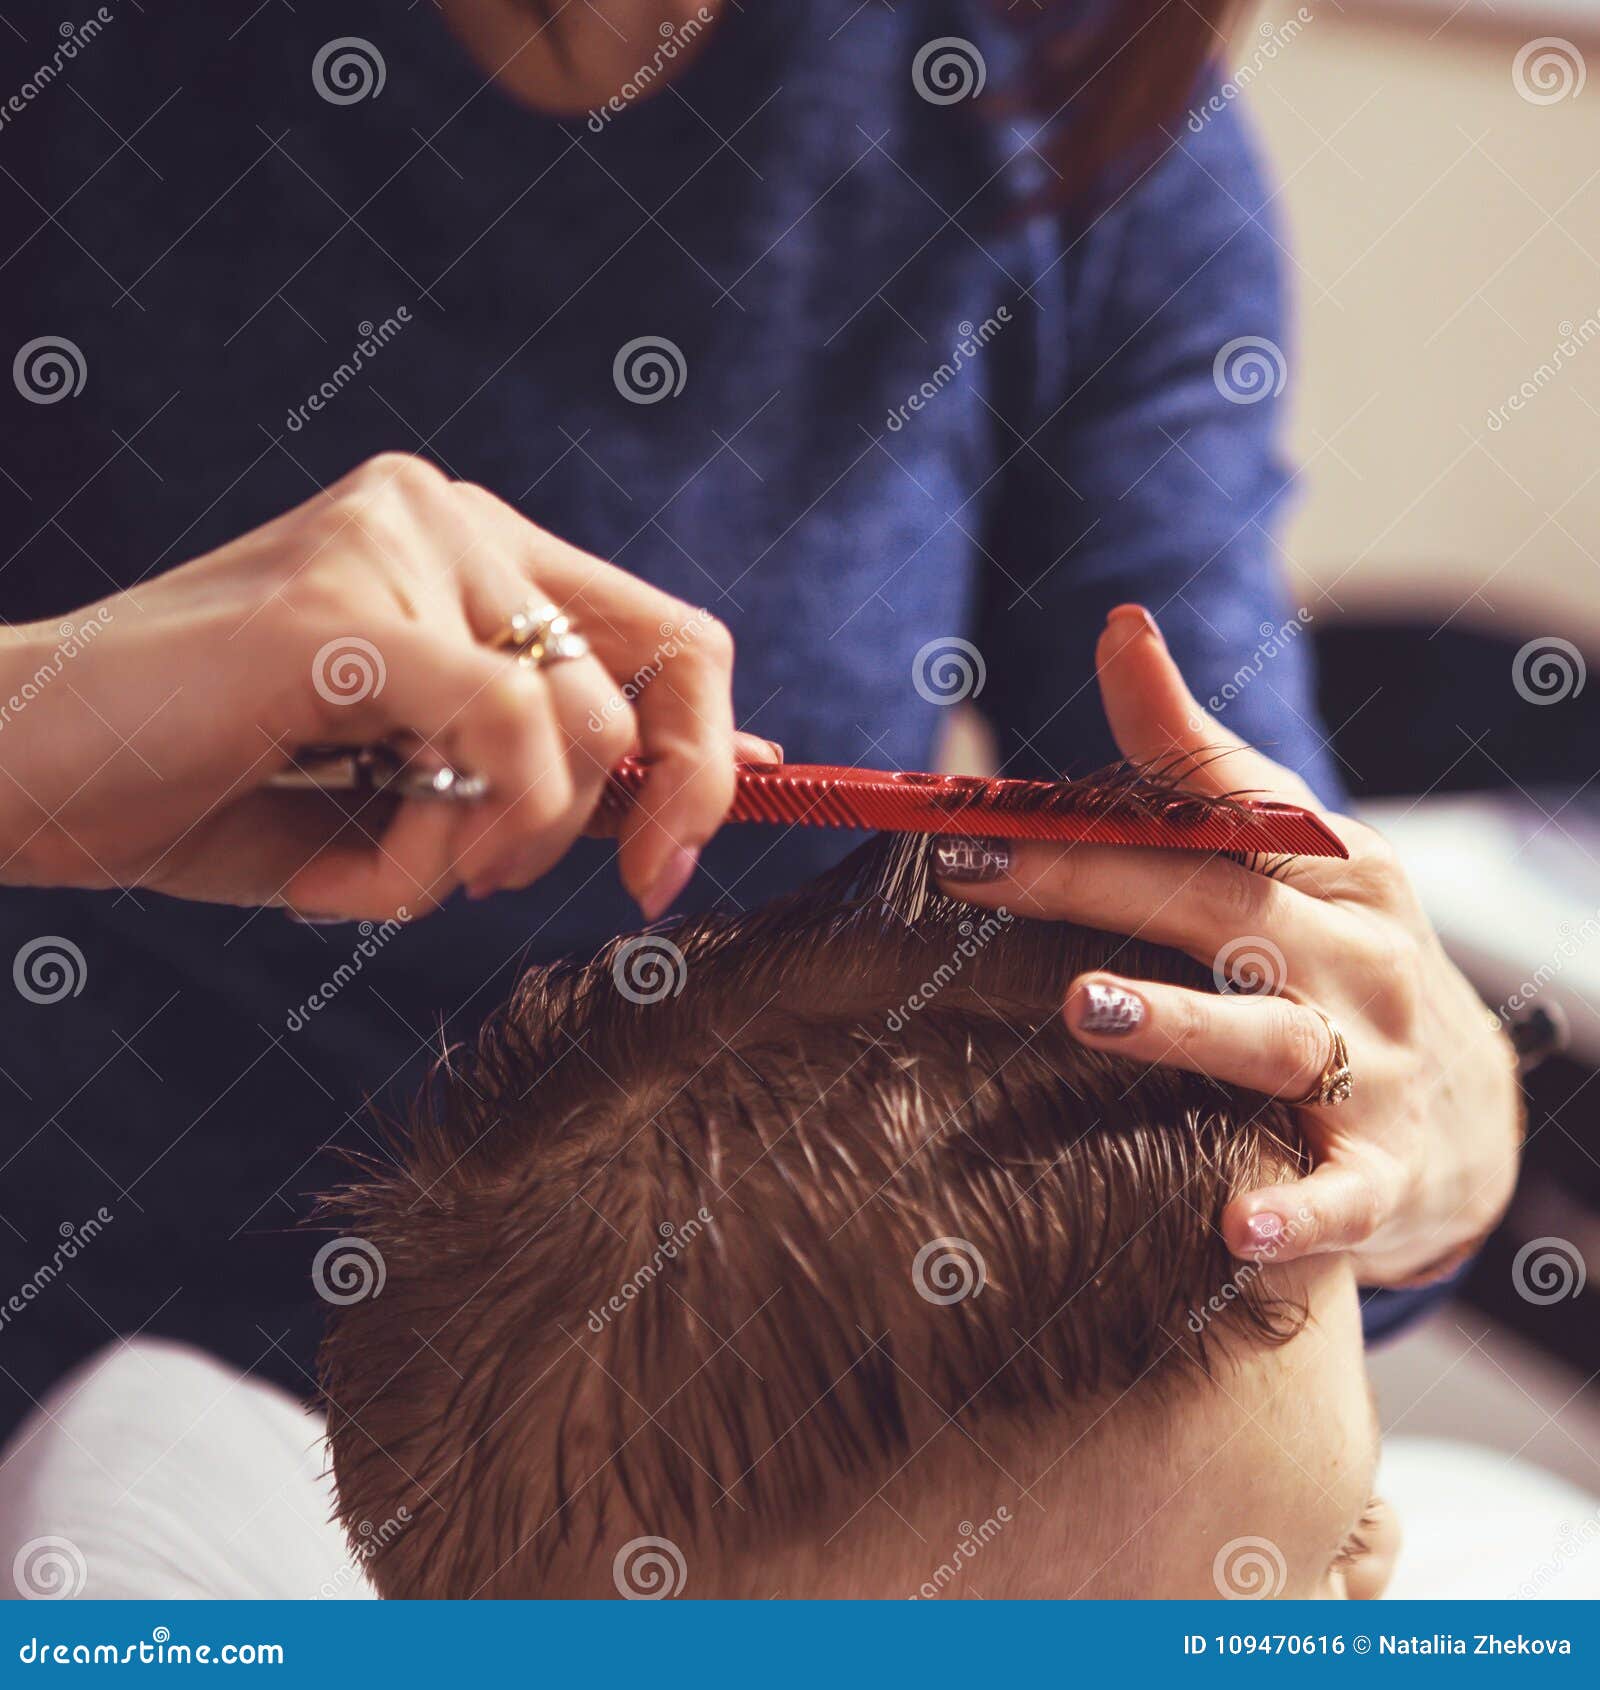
pixel 1105 78
pixel 713 1231
pixel 1109 84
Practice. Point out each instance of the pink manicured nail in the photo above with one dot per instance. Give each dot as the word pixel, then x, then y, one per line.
pixel 675 874
pixel 1263 1230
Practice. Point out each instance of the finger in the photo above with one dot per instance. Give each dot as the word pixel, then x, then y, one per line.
pixel 482 712
pixel 752 748
pixel 1245 925
pixel 626 620
pixel 1156 719
pixel 407 872
pixel 593 727
pixel 677 664
pixel 1264 1044
pixel 1338 1206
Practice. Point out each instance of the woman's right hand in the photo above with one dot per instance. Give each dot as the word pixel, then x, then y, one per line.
pixel 140 730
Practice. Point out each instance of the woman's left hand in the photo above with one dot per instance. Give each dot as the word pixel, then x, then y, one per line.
pixel 1421 1159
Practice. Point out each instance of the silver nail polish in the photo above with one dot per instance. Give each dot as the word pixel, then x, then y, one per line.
pixel 968 861
pixel 1109 1009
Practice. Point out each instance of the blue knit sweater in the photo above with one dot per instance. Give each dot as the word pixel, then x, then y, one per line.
pixel 764 336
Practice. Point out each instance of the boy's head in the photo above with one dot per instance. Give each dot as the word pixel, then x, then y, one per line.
pixel 805 1253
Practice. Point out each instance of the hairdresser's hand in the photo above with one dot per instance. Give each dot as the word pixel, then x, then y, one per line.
pixel 140 730
pixel 1419 1162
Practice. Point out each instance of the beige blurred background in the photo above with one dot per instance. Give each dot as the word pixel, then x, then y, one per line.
pixel 1443 234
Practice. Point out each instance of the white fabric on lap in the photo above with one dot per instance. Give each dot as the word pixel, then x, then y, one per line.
pixel 154 1471
pixel 1482 1525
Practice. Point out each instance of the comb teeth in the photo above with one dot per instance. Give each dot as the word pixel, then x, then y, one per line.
pixel 816 795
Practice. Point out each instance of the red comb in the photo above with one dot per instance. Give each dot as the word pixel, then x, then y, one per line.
pixel 817 795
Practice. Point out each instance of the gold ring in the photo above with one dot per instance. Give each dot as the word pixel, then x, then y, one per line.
pixel 1335 1082
pixel 540 634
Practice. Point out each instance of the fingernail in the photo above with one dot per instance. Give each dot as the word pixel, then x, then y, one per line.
pixel 1137 614
pixel 1264 1229
pixel 968 861
pixel 776 750
pixel 1110 1009
pixel 304 918
pixel 675 874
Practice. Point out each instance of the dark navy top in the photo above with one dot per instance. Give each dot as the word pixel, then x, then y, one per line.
pixel 869 414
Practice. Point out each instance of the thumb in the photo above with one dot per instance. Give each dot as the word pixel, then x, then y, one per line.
pixel 1156 719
